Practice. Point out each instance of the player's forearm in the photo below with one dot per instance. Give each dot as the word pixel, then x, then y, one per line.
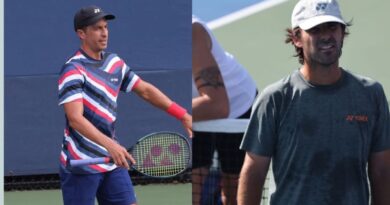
pixel 153 95
pixel 204 108
pixel 88 130
pixel 249 188
pixel 379 175
pixel 380 191
pixel 252 177
pixel 380 186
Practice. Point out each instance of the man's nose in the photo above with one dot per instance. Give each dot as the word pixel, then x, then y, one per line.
pixel 105 32
pixel 326 33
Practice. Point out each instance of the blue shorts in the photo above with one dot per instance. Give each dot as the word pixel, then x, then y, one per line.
pixel 110 188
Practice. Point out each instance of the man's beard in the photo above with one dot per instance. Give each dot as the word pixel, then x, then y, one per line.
pixel 323 59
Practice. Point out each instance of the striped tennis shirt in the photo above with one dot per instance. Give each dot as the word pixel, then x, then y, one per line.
pixel 95 83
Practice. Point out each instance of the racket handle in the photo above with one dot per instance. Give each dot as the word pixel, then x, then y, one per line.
pixel 82 162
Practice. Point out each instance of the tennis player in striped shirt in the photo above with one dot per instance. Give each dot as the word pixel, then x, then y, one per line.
pixel 89 84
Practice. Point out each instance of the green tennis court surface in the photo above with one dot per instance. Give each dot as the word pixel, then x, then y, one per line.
pixel 162 194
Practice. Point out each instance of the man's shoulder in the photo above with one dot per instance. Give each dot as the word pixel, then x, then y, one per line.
pixel 112 57
pixel 276 91
pixel 72 64
pixel 75 62
pixel 279 86
pixel 363 81
pixel 75 57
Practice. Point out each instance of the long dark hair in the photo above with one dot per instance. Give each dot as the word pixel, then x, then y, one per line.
pixel 296 32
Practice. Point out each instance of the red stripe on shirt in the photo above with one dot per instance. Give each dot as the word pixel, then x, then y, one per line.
pixel 116 64
pixel 62 160
pixel 108 89
pixel 76 156
pixel 72 152
pixel 67 74
pixel 97 111
pixel 66 131
pixel 136 83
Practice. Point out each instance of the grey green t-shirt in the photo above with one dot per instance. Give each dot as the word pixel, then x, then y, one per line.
pixel 320 138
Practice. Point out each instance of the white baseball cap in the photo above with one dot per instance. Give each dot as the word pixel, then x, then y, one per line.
pixel 310 13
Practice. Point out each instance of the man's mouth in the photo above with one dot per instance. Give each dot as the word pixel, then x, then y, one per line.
pixel 326 47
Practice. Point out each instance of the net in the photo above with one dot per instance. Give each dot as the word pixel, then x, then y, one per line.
pixel 216 179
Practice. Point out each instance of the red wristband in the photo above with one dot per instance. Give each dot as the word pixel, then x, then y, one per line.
pixel 176 111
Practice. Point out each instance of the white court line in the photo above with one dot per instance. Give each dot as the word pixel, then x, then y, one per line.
pixel 247 11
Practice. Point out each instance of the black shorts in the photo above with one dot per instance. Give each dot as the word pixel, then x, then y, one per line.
pixel 227 146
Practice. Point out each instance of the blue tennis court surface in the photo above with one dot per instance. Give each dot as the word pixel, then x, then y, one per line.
pixel 210 10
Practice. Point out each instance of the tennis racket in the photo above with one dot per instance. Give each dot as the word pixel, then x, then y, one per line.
pixel 158 155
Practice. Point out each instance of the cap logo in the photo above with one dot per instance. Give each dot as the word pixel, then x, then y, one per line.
pixel 305 13
pixel 321 6
pixel 96 11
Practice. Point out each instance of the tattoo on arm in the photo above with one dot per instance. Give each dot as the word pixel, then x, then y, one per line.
pixel 210 76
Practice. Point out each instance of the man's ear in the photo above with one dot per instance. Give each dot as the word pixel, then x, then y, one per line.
pixel 296 38
pixel 297 42
pixel 81 33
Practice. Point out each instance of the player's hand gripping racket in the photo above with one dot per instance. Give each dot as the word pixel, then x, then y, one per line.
pixel 160 155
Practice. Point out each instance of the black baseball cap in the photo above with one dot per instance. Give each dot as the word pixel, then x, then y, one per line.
pixel 90 15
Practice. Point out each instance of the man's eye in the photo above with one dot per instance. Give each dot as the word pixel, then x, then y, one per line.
pixel 314 30
pixel 333 27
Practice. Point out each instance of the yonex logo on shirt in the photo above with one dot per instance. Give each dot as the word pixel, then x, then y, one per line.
pixel 358 118
pixel 98 91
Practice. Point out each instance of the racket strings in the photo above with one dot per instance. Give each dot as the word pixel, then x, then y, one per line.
pixel 164 154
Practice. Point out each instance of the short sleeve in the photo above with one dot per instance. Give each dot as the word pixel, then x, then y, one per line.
pixel 70 84
pixel 130 80
pixel 260 136
pixel 381 133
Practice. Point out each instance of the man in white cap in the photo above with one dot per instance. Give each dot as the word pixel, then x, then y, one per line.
pixel 322 126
